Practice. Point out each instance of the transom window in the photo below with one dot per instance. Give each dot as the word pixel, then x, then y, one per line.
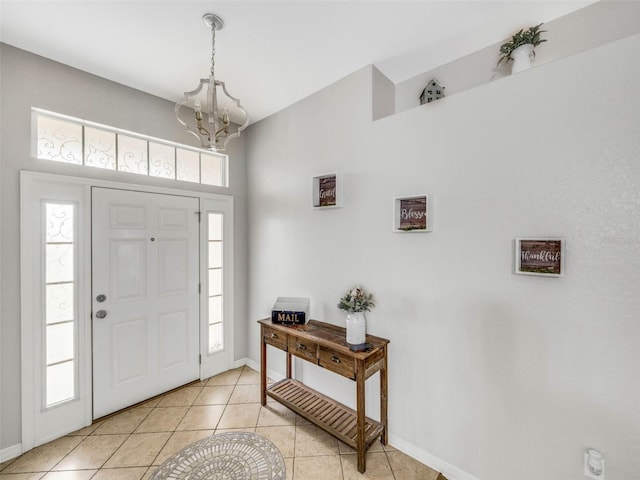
pixel 70 140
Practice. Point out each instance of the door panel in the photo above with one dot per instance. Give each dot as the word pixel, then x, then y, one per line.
pixel 128 351
pixel 173 267
pixel 145 261
pixel 174 339
pixel 128 267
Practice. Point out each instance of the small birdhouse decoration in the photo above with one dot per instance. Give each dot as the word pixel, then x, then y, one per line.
pixel 433 91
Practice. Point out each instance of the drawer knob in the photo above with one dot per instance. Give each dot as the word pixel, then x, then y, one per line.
pixel 335 359
pixel 274 335
pixel 301 346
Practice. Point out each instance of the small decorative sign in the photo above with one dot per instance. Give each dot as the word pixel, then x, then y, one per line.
pixel 290 310
pixel 326 190
pixel 540 256
pixel 411 214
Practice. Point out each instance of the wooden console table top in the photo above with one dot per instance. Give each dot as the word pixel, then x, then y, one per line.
pixel 327 334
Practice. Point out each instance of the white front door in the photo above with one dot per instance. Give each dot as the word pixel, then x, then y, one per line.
pixel 145 300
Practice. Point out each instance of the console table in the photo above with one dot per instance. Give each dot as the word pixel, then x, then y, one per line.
pixel 325 345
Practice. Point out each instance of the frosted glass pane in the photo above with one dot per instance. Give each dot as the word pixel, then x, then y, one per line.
pixel 60 306
pixel 59 263
pixel 60 341
pixel 99 148
pixel 215 226
pixel 215 254
pixel 60 383
pixel 59 222
pixel 187 165
pixel 162 160
pixel 132 155
pixel 59 140
pixel 215 309
pixel 215 337
pixel 215 282
pixel 211 169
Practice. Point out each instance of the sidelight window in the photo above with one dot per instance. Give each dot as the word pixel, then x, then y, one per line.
pixel 215 267
pixel 60 312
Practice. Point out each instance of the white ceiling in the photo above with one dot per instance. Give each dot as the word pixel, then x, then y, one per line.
pixel 270 53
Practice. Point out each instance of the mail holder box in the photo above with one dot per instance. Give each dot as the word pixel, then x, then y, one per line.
pixel 290 311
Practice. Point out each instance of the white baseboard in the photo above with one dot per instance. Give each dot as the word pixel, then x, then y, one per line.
pixel 256 366
pixel 248 362
pixel 10 452
pixel 450 471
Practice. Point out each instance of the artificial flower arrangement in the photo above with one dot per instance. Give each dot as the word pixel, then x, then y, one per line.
pixel 356 300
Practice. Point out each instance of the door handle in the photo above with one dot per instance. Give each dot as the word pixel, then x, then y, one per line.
pixel 101 298
pixel 101 314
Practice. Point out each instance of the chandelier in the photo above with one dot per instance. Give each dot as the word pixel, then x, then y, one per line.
pixel 209 114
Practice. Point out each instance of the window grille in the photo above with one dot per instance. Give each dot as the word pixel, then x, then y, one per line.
pixel 65 139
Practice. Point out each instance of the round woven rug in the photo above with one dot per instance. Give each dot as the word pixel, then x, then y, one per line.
pixel 225 456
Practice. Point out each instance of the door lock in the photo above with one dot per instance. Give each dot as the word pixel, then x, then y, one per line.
pixel 101 314
pixel 101 298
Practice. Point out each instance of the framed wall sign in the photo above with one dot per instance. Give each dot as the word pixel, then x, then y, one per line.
pixel 540 256
pixel 327 192
pixel 412 214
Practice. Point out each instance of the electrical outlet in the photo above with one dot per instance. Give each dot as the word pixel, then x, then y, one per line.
pixel 593 465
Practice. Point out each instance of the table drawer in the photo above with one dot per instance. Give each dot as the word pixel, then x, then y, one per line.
pixel 303 348
pixel 275 338
pixel 337 362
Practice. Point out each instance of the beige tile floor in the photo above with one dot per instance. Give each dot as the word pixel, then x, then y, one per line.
pixel 130 445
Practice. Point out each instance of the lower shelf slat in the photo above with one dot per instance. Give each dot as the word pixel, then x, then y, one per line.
pixel 331 416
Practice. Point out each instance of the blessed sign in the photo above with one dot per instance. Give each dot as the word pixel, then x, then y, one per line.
pixel 327 191
pixel 413 213
pixel 541 257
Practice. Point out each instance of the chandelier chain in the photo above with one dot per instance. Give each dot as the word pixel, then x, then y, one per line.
pixel 213 47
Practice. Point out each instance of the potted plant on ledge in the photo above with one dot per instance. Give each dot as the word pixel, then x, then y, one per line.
pixel 520 48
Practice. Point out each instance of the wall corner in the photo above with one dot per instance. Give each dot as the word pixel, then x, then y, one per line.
pixel 383 95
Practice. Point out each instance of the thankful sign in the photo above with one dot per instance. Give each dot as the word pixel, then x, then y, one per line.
pixel 542 257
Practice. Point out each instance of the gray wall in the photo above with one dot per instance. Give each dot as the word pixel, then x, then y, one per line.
pixel 493 375
pixel 31 81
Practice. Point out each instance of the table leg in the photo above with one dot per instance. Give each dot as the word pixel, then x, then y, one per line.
pixel 383 400
pixel 360 413
pixel 263 370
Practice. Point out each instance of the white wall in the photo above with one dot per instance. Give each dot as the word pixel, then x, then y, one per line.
pixel 599 23
pixel 30 81
pixel 497 375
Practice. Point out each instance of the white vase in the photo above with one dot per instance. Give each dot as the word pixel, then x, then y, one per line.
pixel 522 58
pixel 356 328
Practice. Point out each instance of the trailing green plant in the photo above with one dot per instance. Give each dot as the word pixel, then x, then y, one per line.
pixel 523 37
